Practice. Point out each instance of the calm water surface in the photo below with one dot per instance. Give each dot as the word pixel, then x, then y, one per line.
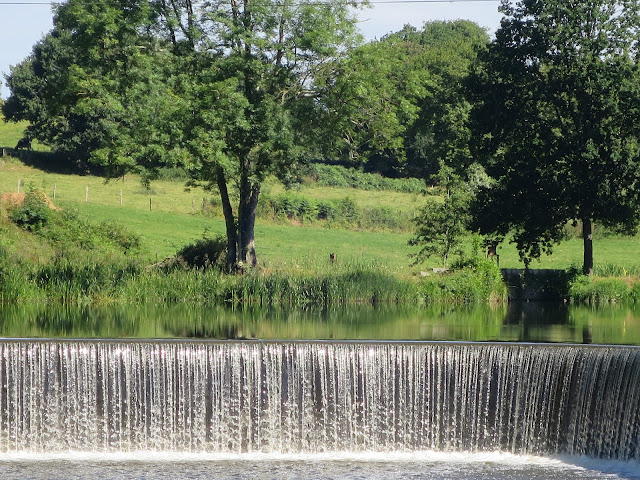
pixel 524 322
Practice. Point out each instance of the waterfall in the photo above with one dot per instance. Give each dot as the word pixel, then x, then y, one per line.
pixel 312 397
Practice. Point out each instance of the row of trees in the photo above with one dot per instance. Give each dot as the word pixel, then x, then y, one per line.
pixel 555 122
pixel 235 90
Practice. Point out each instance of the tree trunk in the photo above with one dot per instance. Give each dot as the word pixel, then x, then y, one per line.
pixel 246 221
pixel 232 232
pixel 587 238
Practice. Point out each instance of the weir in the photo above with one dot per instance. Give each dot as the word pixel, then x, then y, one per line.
pixel 313 397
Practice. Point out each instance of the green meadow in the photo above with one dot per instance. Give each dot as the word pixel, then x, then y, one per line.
pixel 166 216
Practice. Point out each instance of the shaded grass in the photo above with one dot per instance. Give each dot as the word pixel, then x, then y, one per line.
pixel 11 132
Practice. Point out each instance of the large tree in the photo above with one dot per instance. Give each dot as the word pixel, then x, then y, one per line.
pixel 556 120
pixel 370 99
pixel 225 88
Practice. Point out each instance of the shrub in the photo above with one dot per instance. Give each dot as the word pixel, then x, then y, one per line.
pixel 33 214
pixel 337 176
pixel 120 236
pixel 326 211
pixel 68 231
pixel 479 282
pixel 348 209
pixel 204 253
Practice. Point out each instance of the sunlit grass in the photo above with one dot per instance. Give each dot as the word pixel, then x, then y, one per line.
pixel 168 216
pixel 175 219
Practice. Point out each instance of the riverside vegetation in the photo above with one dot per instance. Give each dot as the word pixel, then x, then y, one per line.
pixel 58 256
pixel 62 257
pixel 99 251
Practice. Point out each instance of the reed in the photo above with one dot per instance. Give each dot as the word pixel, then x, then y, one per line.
pixel 594 291
pixel 304 289
pixel 481 282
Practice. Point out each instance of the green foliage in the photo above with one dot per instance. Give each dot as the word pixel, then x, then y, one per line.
pixel 67 231
pixel 371 99
pixel 395 105
pixel 608 269
pixel 34 213
pixel 226 98
pixel 586 289
pixel 442 226
pixel 545 285
pixel 204 253
pixel 556 122
pixel 441 133
pixel 481 282
pixel 82 283
pixel 355 286
pixel 337 176
pixel 342 212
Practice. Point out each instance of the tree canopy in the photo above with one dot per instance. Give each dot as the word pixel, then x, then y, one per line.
pixel 396 105
pixel 556 124
pixel 225 89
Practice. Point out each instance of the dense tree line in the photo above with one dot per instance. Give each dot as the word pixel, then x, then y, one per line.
pixel 235 90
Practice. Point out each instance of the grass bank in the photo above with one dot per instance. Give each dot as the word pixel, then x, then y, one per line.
pixel 61 257
pixel 103 283
pixel 599 290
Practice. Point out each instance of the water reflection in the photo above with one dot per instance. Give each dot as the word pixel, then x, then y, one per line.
pixel 527 322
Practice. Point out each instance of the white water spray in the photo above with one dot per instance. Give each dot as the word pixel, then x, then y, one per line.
pixel 315 397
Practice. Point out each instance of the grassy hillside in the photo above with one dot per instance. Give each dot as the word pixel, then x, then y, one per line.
pixel 167 217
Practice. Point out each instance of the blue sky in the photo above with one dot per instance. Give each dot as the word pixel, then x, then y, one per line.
pixel 22 25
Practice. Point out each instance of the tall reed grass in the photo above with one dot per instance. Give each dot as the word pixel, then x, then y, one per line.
pixel 595 291
pixel 112 283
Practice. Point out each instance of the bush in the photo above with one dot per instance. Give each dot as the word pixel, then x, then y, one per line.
pixel 344 212
pixel 204 253
pixel 34 212
pixel 336 176
pixel 479 282
pixel 67 230
pixel 120 236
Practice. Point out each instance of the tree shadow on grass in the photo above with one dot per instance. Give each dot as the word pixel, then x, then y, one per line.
pixel 51 162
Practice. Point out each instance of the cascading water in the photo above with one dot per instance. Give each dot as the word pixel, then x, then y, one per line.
pixel 314 397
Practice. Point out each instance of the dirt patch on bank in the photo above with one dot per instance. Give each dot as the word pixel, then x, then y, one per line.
pixel 12 199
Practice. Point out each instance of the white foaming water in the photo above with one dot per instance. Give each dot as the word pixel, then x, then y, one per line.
pixel 312 402
pixel 338 465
